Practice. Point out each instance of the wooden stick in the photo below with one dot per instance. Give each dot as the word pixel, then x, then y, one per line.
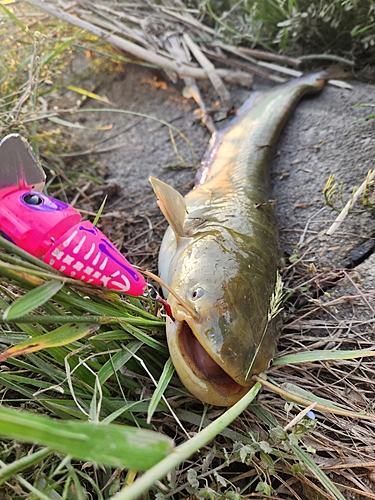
pixel 233 77
pixel 210 71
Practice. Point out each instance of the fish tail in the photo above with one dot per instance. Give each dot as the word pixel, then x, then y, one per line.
pixel 316 81
pixel 312 83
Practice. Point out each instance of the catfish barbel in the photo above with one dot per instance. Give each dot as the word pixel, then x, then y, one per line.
pixel 220 253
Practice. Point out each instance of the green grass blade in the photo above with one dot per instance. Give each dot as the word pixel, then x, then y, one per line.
pixel 291 392
pixel 7 471
pixel 309 396
pixel 119 412
pixel 27 276
pixel 146 339
pixel 185 450
pixel 113 445
pixel 36 298
pixel 304 357
pixel 199 421
pixel 118 361
pixel 263 415
pixel 35 491
pixel 365 105
pixel 63 335
pixel 12 248
pixel 100 211
pixel 61 48
pixel 16 20
pixel 105 320
pixel 164 380
pixel 65 123
pixel 318 473
pixel 370 117
pixel 87 93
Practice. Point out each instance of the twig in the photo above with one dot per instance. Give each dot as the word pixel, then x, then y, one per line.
pixel 328 57
pixel 234 62
pixel 297 74
pixel 344 212
pixel 175 46
pixel 306 402
pixel 210 70
pixel 303 235
pixel 269 56
pixel 324 305
pixel 233 77
pixel 300 416
pixel 94 151
pixel 361 293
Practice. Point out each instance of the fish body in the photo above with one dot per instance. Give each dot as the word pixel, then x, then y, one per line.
pixel 220 254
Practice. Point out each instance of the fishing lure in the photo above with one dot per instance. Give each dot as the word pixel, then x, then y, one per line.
pixel 52 230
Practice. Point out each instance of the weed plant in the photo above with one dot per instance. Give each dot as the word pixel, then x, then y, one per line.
pixel 344 28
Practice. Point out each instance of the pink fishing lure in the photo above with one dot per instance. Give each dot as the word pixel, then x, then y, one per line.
pixel 52 230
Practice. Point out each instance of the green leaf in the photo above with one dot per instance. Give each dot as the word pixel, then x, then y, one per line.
pixel 267 460
pixel 87 93
pixel 14 18
pixel 164 380
pixel 318 473
pixel 37 297
pixel 61 48
pixel 310 397
pixel 101 208
pixel 7 471
pixel 143 337
pixel 61 336
pixel 112 445
pixel 65 123
pixel 304 357
pixel 185 450
pixel 118 361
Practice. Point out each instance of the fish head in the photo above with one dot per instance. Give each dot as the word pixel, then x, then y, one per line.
pixel 219 322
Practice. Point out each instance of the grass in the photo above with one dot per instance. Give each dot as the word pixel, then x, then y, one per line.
pixel 307 29
pixel 86 379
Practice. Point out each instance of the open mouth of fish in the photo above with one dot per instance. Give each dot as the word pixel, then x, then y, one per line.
pixel 203 365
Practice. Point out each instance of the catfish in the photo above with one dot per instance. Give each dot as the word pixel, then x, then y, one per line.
pixel 220 253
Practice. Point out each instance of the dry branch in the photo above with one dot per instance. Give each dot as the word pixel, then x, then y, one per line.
pixel 176 67
pixel 344 212
pixel 210 71
pixel 148 42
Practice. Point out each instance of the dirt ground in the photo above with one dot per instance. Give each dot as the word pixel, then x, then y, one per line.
pixel 323 137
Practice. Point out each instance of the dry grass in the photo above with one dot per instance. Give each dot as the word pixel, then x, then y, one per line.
pixel 254 457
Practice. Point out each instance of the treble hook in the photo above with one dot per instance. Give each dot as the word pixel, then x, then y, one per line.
pixel 154 295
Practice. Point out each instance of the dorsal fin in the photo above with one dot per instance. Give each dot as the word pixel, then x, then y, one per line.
pixel 172 204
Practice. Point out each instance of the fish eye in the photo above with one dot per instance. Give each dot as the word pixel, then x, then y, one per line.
pixel 197 293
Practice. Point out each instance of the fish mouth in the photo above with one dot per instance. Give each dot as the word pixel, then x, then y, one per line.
pixel 204 366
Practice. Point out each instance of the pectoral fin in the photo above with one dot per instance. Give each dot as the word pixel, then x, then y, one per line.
pixel 172 204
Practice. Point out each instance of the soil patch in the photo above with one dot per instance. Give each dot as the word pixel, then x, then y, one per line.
pixel 333 306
